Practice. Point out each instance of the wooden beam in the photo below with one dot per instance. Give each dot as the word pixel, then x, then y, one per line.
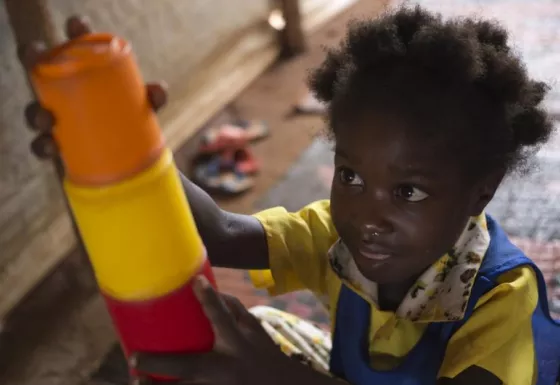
pixel 30 21
pixel 216 82
pixel 292 36
pixel 302 17
pixel 318 12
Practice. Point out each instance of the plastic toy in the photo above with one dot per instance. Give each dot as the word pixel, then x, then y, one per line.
pixel 126 195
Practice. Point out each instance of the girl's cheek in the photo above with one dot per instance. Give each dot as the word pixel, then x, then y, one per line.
pixel 339 213
pixel 345 211
pixel 342 204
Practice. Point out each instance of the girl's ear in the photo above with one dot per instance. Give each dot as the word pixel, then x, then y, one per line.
pixel 485 192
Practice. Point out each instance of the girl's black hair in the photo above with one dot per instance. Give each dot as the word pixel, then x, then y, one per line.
pixel 454 80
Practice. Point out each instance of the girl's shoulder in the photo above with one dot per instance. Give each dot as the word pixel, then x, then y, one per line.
pixel 515 289
pixel 498 335
pixel 512 275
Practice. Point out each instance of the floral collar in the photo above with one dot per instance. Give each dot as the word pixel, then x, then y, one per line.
pixel 442 291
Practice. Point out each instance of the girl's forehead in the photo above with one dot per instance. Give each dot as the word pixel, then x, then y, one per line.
pixel 392 143
pixel 392 150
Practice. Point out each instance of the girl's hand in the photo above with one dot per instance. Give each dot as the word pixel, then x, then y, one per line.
pixel 243 354
pixel 41 120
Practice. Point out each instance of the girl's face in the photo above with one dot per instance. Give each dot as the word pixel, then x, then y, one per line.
pixel 397 202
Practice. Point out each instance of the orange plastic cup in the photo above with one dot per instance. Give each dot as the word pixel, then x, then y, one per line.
pixel 105 128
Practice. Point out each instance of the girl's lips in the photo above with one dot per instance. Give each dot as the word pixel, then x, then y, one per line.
pixel 373 255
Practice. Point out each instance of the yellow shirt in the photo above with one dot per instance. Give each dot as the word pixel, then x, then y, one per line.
pixel 497 337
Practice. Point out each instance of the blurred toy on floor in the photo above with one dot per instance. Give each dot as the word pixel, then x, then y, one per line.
pixel 225 165
pixel 309 105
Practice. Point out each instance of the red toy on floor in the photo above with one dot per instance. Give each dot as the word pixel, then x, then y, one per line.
pixel 225 164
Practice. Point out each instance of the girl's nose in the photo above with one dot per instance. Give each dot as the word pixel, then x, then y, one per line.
pixel 370 232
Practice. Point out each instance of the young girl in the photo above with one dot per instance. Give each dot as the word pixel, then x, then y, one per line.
pixel 426 116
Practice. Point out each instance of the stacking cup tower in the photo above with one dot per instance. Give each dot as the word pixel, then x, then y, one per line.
pixel 126 195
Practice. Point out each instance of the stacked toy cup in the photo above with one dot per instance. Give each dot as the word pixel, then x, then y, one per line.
pixel 126 195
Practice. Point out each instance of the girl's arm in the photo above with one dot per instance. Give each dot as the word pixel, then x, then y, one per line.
pixel 232 240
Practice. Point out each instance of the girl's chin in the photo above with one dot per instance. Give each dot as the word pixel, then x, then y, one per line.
pixel 376 271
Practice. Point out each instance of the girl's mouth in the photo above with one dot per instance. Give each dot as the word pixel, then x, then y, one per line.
pixel 373 253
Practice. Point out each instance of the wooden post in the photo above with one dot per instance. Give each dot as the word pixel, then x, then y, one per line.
pixel 31 21
pixel 293 37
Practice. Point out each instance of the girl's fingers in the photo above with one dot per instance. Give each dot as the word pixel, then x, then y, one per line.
pixel 77 26
pixel 44 146
pixel 190 368
pixel 29 54
pixel 217 311
pixel 38 118
pixel 157 94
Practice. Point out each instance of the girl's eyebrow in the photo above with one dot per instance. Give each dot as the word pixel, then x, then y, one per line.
pixel 403 171
pixel 413 170
pixel 344 155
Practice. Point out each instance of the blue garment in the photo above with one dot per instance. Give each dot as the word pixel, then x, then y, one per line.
pixel 350 358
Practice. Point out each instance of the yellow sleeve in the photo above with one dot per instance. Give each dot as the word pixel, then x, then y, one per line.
pixel 498 336
pixel 297 248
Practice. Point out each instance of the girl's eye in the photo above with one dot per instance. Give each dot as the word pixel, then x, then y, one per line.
pixel 349 177
pixel 411 193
